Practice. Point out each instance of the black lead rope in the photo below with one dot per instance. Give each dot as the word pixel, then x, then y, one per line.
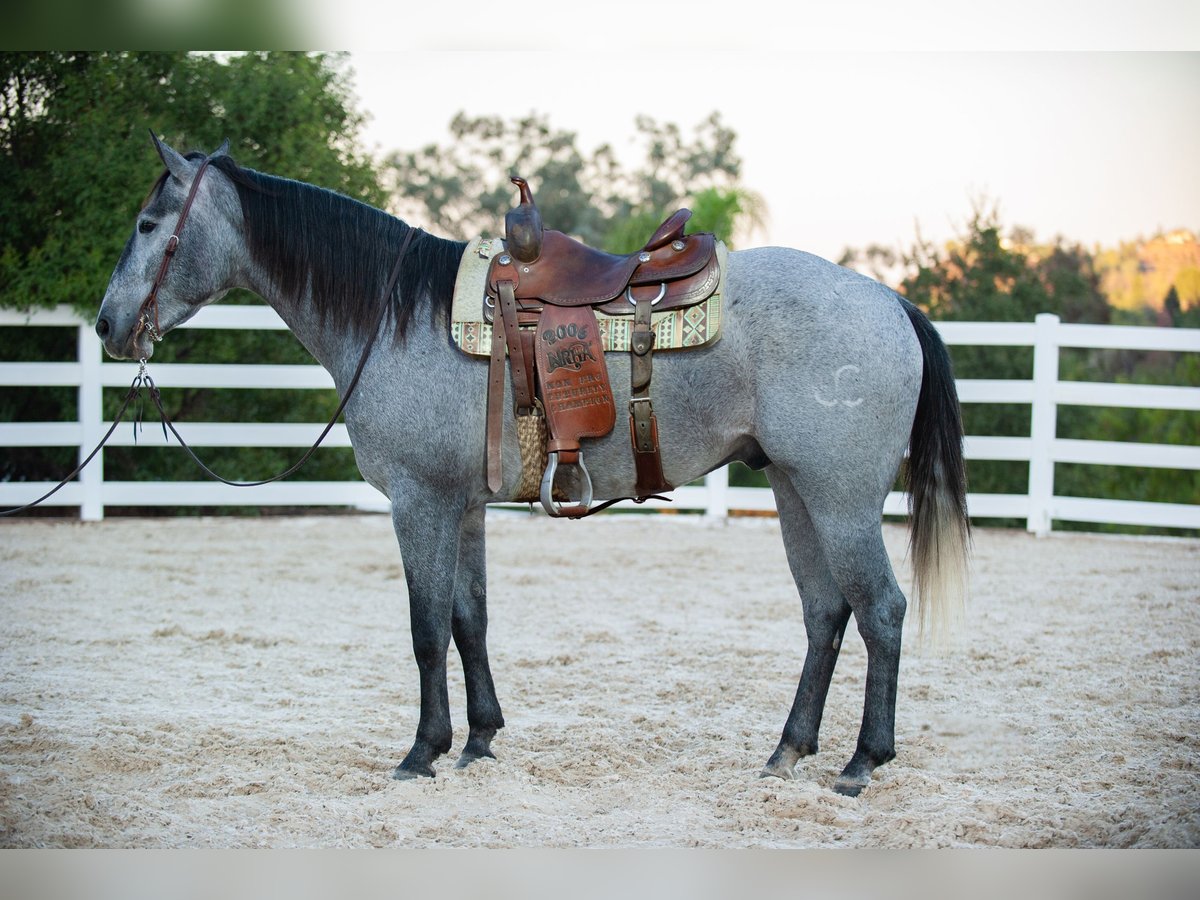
pixel 135 391
pixel 143 379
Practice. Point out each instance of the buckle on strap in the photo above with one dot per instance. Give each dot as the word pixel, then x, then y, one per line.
pixel 641 414
pixel 146 324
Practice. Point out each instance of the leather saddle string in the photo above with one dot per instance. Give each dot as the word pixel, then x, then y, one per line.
pixel 384 306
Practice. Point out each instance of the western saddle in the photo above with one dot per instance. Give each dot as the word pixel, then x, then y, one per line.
pixel 554 285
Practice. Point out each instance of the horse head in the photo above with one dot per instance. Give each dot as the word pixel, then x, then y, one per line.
pixel 168 271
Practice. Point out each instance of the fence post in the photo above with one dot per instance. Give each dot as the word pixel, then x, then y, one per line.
pixel 717 483
pixel 91 424
pixel 1043 423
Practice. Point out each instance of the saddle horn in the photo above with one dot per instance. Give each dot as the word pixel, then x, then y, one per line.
pixel 523 226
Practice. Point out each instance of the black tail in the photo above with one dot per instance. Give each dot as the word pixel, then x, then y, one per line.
pixel 936 481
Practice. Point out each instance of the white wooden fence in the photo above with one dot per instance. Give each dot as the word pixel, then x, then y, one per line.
pixel 1039 507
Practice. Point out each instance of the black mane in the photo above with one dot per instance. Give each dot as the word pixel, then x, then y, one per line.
pixel 343 248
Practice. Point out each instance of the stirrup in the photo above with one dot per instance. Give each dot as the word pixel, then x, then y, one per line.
pixel 551 506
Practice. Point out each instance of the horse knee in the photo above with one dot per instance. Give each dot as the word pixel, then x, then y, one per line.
pixel 430 647
pixel 825 623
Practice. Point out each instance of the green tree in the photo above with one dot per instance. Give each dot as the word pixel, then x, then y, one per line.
pixel 462 188
pixel 985 274
pixel 75 163
pixel 75 159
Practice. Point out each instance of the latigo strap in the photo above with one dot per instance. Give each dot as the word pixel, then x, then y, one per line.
pixel 643 426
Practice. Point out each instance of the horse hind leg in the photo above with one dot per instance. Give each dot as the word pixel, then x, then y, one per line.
pixel 469 627
pixel 826 614
pixel 835 547
pixel 859 564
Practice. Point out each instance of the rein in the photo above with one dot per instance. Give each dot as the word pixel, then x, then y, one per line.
pixel 362 364
pixel 143 379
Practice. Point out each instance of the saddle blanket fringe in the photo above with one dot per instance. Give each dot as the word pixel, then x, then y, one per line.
pixel 679 329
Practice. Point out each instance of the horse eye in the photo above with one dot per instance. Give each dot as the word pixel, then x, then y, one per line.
pixel 146 226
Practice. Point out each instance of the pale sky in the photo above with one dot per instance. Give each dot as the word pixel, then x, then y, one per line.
pixel 855 148
pixel 857 121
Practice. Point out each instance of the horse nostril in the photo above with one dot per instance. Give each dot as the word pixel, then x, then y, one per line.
pixel 102 327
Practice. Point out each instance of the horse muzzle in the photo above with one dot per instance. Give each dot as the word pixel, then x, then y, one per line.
pixel 123 341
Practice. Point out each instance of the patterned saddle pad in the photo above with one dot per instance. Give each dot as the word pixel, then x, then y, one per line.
pixel 679 329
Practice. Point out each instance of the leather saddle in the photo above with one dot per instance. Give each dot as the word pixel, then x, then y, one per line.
pixel 548 288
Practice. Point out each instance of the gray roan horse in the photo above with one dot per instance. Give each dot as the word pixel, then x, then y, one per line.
pixel 822 377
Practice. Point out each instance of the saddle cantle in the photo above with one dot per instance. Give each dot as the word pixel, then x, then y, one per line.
pixel 548 288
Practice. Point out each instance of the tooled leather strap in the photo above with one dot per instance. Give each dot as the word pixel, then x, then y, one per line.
pixel 151 301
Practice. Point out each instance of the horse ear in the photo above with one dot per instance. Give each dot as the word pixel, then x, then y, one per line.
pixel 223 150
pixel 172 159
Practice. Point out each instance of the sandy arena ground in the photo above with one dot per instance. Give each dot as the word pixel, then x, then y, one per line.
pixel 250 683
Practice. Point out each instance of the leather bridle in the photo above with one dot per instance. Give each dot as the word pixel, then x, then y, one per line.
pixel 148 312
pixel 143 379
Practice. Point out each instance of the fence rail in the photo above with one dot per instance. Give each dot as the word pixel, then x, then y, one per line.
pixel 1044 393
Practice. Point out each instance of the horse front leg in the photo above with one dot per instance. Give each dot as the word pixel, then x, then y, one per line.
pixel 469 626
pixel 428 530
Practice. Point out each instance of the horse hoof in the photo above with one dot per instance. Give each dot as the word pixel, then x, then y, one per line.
pixel 777 771
pixel 403 774
pixel 782 763
pixel 850 787
pixel 467 758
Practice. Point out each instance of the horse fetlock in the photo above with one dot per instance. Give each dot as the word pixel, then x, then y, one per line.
pixel 486 721
pixel 874 756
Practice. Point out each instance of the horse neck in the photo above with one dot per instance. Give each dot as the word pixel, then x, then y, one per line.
pixel 330 343
pixel 335 337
